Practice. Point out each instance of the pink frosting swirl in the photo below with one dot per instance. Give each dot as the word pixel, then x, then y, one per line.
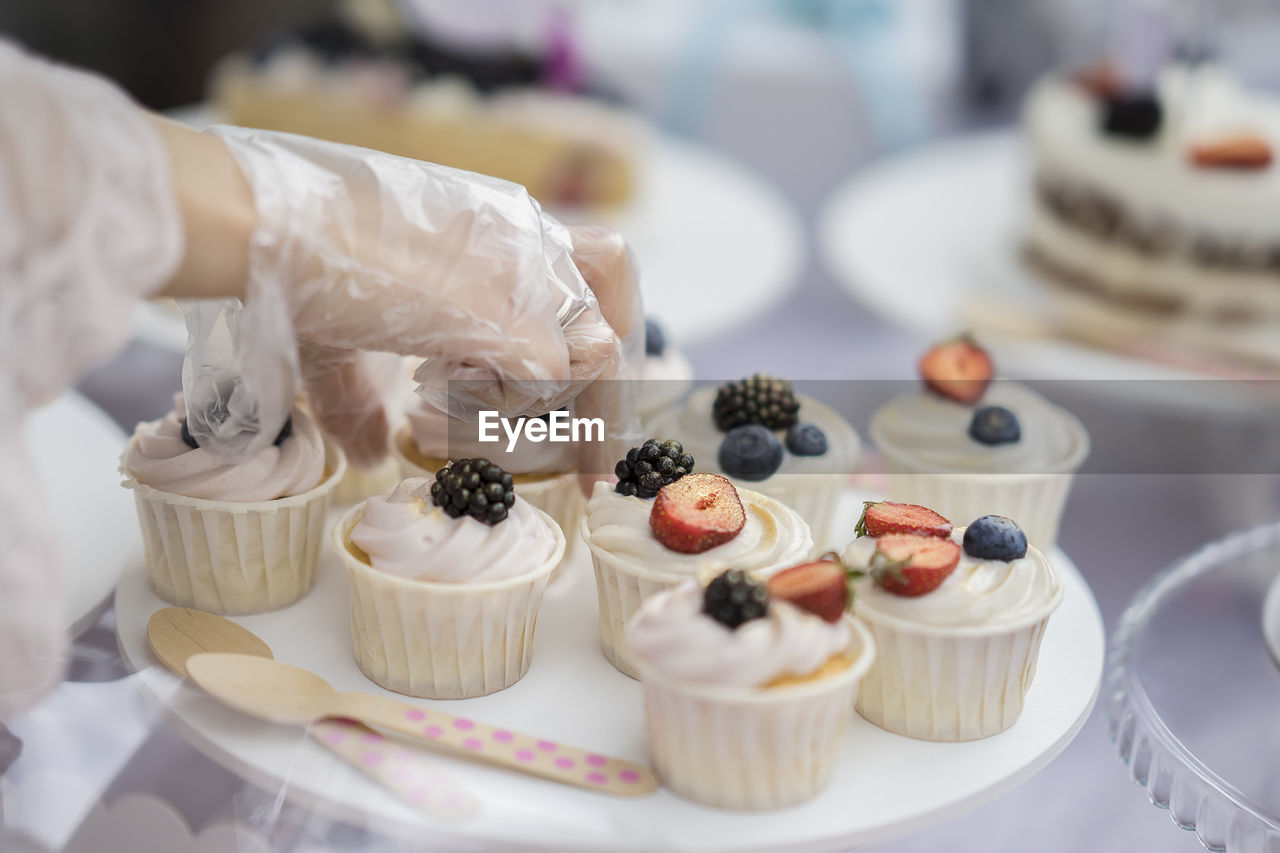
pixel 158 457
pixel 673 635
pixel 405 534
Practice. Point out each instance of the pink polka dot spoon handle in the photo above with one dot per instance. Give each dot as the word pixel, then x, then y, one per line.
pixel 411 774
pixel 548 759
pixel 281 693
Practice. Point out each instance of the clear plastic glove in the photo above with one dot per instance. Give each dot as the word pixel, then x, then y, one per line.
pixel 88 224
pixel 376 252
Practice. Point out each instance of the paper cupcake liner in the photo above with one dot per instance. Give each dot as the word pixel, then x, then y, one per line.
pixel 361 483
pixel 740 748
pixel 934 687
pixel 234 558
pixel 558 496
pixel 622 587
pixel 1034 501
pixel 441 640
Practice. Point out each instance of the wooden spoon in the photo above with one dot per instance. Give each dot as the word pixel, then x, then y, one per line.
pixel 287 694
pixel 178 633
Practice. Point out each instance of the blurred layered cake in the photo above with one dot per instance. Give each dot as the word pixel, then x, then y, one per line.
pixel 1155 211
pixel 367 80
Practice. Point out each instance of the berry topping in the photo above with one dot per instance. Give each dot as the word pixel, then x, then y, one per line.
pixel 881 517
pixel 733 597
pixel 995 425
pixel 649 467
pixel 1132 115
pixel 759 399
pixel 994 537
pixel 750 452
pixel 285 431
pixel 1100 80
pixel 697 513
pixel 1238 151
pixel 909 565
pixel 806 440
pixel 655 342
pixel 474 487
pixel 186 437
pixel 957 369
pixel 822 588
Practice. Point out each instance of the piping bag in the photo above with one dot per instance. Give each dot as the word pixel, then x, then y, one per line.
pixel 240 373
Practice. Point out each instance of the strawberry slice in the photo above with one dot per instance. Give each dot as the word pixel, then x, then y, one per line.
pixel 822 588
pixel 909 565
pixel 1101 80
pixel 1237 151
pixel 881 517
pixel 697 513
pixel 957 369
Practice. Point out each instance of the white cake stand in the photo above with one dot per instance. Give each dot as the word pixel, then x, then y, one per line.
pixel 885 785
pixel 929 241
pixel 75 449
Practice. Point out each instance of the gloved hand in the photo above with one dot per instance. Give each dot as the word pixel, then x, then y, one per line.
pixel 371 251
pixel 348 390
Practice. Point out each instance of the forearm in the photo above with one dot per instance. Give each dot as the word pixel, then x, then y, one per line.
pixel 217 210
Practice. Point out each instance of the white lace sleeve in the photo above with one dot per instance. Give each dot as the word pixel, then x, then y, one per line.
pixel 88 224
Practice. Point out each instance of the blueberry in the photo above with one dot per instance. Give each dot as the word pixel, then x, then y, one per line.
pixel 655 342
pixel 750 452
pixel 186 437
pixel 1133 115
pixel 994 425
pixel 806 440
pixel 994 537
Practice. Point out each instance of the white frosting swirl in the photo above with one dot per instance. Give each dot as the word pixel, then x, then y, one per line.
pixel 404 534
pixel 979 594
pixel 693 424
pixel 158 457
pixel 674 636
pixel 931 432
pixel 441 437
pixel 665 379
pixel 774 536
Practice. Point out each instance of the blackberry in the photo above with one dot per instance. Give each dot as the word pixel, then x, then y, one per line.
pixel 652 465
pixel 1133 115
pixel 474 487
pixel 186 437
pixel 733 598
pixel 285 432
pixel 759 400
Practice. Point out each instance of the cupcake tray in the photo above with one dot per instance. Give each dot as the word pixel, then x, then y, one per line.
pixel 885 786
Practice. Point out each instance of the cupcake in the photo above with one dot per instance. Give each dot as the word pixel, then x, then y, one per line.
pixel 666 375
pixel 967 446
pixel 957 616
pixel 760 433
pixel 231 537
pixel 446 577
pixel 544 472
pixel 662 524
pixel 747 693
